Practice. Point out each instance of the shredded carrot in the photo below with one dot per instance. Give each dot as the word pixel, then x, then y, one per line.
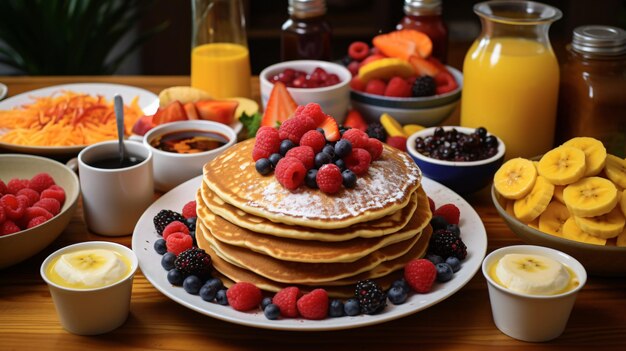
pixel 66 119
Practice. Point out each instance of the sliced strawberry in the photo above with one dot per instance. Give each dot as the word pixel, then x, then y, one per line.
pixel 331 129
pixel 222 111
pixel 423 67
pixel 170 113
pixel 191 110
pixel 445 82
pixel 404 43
pixel 371 58
pixel 355 120
pixel 143 125
pixel 280 106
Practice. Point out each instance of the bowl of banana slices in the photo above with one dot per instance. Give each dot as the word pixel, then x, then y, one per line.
pixel 571 199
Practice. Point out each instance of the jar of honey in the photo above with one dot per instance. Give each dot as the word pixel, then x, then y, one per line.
pixel 425 16
pixel 306 34
pixel 592 94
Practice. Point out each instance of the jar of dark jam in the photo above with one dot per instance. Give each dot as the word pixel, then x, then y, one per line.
pixel 592 93
pixel 425 16
pixel 306 34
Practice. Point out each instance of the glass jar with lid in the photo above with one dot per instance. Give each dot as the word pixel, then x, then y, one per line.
pixel 307 33
pixel 425 16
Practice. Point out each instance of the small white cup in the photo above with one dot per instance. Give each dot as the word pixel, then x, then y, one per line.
pixel 172 169
pixel 92 311
pixel 114 199
pixel 533 318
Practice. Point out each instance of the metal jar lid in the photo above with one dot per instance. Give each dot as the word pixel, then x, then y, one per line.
pixel 422 7
pixel 306 8
pixel 600 40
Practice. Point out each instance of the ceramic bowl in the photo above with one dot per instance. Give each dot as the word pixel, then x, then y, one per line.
pixel 426 111
pixel 333 99
pixel 462 177
pixel 19 246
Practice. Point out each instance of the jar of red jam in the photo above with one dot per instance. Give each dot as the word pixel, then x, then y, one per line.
pixel 425 16
pixel 306 34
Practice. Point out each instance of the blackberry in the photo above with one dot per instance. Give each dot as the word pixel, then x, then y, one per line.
pixel 377 131
pixel 371 296
pixel 424 86
pixel 445 244
pixel 194 261
pixel 165 217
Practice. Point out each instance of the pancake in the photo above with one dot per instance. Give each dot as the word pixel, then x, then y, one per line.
pixel 311 251
pixel 385 189
pixel 378 227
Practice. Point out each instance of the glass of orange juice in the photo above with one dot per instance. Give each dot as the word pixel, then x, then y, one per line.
pixel 511 76
pixel 220 61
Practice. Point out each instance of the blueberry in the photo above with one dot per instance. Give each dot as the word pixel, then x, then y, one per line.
pixel 192 284
pixel 335 308
pixel 192 233
pixel 454 228
pixel 401 283
pixel 221 298
pixel 175 277
pixel 159 246
pixel 167 261
pixel 397 295
pixel 191 223
pixel 263 166
pixel 438 222
pixel 266 301
pixel 215 283
pixel 207 292
pixel 310 178
pixel 271 311
pixel 434 258
pixel 285 146
pixel 343 148
pixel 349 179
pixel 351 307
pixel 491 141
pixel 481 131
pixel 274 158
pixel 321 159
pixel 444 272
pixel 329 150
pixel 454 262
pixel 341 164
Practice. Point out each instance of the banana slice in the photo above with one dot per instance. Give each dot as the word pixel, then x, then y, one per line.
pixel 534 223
pixel 515 178
pixel 615 169
pixel 184 94
pixel 509 207
pixel 532 205
pixel 562 165
pixel 622 202
pixel 595 153
pixel 90 268
pixel 621 239
pixel 590 197
pixel 558 193
pixel 571 231
pixel 605 226
pixel 532 274
pixel 551 221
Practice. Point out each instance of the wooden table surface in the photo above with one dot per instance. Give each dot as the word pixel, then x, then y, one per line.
pixel 28 320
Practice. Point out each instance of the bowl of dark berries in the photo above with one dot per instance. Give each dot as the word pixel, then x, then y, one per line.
pixel 463 159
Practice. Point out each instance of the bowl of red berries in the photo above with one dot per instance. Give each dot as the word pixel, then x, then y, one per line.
pixel 322 82
pixel 463 159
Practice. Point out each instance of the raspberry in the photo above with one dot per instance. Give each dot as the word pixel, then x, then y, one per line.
pixel 294 128
pixel 31 194
pixel 290 172
pixel 376 87
pixel 313 111
pixel 2 215
pixel 36 221
pixel 305 154
pixel 33 212
pixel 358 161
pixel 358 50
pixel 189 210
pixel 14 185
pixel 175 227
pixel 244 296
pixel 40 182
pixel 314 139
pixel 420 274
pixel 8 227
pixel 14 207
pixel 449 212
pixel 356 137
pixel 313 305
pixel 51 205
pixel 353 67
pixel 54 192
pixel 194 261
pixel 178 242
pixel 329 178
pixel 398 87
pixel 357 84
pixel 375 148
pixel 267 142
pixel 286 300
pixel 431 204
pixel 398 142
pixel 3 188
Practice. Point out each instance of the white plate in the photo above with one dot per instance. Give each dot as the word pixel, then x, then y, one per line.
pixel 148 102
pixel 3 91
pixel 472 232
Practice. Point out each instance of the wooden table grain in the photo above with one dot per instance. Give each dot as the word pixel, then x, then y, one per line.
pixel 28 320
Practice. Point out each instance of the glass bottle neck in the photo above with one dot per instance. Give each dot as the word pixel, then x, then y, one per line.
pixel 218 21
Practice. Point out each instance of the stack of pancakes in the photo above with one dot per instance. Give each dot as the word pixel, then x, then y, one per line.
pixel 257 231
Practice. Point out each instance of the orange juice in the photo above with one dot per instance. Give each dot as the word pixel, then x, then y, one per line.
pixel 511 88
pixel 221 69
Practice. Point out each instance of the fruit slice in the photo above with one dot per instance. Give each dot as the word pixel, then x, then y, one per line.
pixel 509 207
pixel 532 274
pixel 392 127
pixel 423 67
pixel 595 153
pixel 250 107
pixel 331 129
pixel 280 106
pixel 90 268
pixel 590 197
pixel 445 82
pixel 605 226
pixel 222 111
pixel 183 94
pixel 191 110
pixel 572 232
pixel 532 205
pixel 615 169
pixel 385 69
pixel 551 221
pixel 143 125
pixel 621 239
pixel 171 113
pixel 404 44
pixel 354 119
pixel 562 165
pixel 622 202
pixel 411 128
pixel 558 193
pixel 515 178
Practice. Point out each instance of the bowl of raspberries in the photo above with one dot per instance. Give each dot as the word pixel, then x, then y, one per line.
pixel 38 197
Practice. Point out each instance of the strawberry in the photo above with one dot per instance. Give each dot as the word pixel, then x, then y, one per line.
pixel 355 120
pixel 286 300
pixel 445 82
pixel 170 113
pixel 143 125
pixel 280 106
pixel 376 87
pixel 399 142
pixel 420 274
pixel 449 212
pixel 191 110
pixel 331 129
pixel 222 111
pixel 398 87
pixel 314 305
pixel 357 84
pixel 423 67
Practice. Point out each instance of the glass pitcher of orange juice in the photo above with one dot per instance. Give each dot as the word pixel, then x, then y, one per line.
pixel 511 76
pixel 220 62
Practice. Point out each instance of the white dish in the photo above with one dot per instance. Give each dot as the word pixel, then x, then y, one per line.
pixel 3 91
pixel 148 102
pixel 475 238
